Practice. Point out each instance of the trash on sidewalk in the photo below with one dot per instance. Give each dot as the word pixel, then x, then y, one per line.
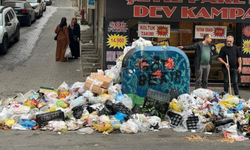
pixel 100 104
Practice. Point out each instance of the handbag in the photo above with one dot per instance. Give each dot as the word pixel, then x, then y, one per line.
pixel 55 38
pixel 75 38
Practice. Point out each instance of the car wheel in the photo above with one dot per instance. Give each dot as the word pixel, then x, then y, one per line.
pixel 17 37
pixel 29 21
pixel 4 46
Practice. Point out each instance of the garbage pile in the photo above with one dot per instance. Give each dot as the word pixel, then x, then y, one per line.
pixel 98 104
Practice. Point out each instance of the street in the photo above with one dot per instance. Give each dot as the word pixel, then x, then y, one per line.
pixel 30 63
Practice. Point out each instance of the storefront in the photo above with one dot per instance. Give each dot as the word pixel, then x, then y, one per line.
pixel 178 22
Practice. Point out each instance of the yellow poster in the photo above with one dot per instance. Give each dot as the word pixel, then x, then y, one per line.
pixel 117 41
pixel 246 46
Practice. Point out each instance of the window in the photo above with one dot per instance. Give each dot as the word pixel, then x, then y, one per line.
pixel 10 15
pixel 6 18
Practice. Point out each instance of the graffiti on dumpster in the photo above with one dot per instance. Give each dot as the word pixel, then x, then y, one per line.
pixel 157 68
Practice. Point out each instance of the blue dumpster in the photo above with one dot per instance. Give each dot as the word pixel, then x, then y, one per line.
pixel 157 67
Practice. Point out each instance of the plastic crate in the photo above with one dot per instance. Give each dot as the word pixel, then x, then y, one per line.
pixel 43 119
pixel 192 122
pixel 175 118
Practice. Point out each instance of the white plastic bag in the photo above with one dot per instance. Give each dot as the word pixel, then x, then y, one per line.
pixel 51 97
pixel 67 52
pixel 18 127
pixel 87 130
pixel 56 125
pixel 76 86
pixel 127 101
pixel 129 127
pixel 20 109
pixel 64 87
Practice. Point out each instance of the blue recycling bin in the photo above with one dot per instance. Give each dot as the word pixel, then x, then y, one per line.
pixel 157 67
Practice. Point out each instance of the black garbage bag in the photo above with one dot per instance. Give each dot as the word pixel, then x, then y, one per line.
pixel 90 109
pixel 77 111
pixel 107 109
pixel 119 107
pixel 223 122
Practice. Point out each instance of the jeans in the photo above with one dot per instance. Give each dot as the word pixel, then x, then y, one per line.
pixel 201 74
pixel 234 80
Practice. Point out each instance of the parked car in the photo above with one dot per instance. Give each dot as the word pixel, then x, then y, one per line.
pixel 9 28
pixel 37 5
pixel 48 2
pixel 44 5
pixel 25 13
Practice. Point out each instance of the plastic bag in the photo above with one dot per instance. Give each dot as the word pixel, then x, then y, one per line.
pixel 20 109
pixel 61 103
pixel 174 105
pixel 27 123
pixel 57 126
pixel 120 116
pixel 106 128
pixel 9 122
pixel 78 102
pixel 18 127
pixel 51 97
pixel 127 101
pixel 113 73
pixel 32 103
pixel 64 87
pixel 113 91
pixel 67 52
pixel 87 130
pixel 155 122
pixel 20 97
pixel 76 86
pixel 143 124
pixel 72 125
pixel 26 116
pixel 6 113
pixel 93 119
pixel 63 95
pixel 119 97
pixel 119 107
pixel 116 124
pixel 129 127
pixel 203 93
pixel 77 112
pixel 104 118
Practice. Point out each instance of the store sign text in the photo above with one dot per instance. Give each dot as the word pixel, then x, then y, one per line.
pixel 217 32
pixel 186 12
pixel 153 30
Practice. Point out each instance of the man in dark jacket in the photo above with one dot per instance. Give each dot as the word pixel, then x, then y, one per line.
pixel 234 64
pixel 202 61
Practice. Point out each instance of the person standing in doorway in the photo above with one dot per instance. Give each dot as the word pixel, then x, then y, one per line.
pixel 202 61
pixel 74 36
pixel 234 64
pixel 62 40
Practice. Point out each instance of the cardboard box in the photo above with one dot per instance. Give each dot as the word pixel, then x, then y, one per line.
pixel 107 81
pixel 93 75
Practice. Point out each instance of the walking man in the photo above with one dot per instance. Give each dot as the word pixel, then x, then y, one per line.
pixel 234 64
pixel 203 60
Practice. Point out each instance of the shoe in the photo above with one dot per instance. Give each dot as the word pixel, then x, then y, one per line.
pixel 238 96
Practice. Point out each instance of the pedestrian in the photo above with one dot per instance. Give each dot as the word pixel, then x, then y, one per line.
pixel 202 60
pixel 62 40
pixel 234 64
pixel 74 36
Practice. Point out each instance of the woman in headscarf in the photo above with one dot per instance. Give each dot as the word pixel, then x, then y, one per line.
pixel 74 36
pixel 62 40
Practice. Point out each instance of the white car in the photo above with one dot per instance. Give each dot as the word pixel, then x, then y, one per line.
pixel 9 28
pixel 37 5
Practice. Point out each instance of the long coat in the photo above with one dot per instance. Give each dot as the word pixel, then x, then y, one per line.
pixel 74 45
pixel 62 43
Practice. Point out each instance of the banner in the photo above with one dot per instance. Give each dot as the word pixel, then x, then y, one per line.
pixel 154 30
pixel 217 32
pixel 245 76
pixel 176 10
pixel 116 39
pixel 91 4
